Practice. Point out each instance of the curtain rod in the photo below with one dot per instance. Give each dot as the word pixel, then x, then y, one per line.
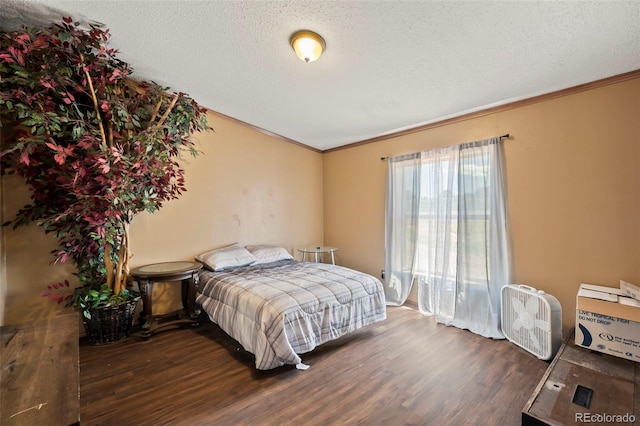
pixel 505 136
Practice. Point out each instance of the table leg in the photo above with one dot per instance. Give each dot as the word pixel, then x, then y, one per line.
pixel 193 285
pixel 333 259
pixel 316 256
pixel 185 294
pixel 189 296
pixel 146 291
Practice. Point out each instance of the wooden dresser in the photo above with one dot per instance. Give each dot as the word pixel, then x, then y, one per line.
pixel 39 382
pixel 582 386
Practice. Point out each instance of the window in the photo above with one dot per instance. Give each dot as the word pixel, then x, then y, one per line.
pixel 449 201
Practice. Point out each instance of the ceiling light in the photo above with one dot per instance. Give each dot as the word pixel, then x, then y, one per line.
pixel 307 45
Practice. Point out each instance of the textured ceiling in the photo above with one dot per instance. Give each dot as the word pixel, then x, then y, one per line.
pixel 389 65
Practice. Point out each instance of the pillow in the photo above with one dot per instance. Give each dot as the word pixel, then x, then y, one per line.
pixel 265 253
pixel 233 256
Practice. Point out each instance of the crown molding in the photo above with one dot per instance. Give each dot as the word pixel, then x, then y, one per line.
pixel 511 105
pixel 263 131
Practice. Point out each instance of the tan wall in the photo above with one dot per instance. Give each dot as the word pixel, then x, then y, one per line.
pixel 573 179
pixel 245 186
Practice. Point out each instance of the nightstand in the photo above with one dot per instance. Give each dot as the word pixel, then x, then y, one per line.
pixel 183 271
pixel 318 252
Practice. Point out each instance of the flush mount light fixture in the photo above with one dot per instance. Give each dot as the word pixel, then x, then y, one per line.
pixel 307 45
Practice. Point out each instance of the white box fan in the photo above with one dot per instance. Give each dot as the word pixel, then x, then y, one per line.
pixel 531 319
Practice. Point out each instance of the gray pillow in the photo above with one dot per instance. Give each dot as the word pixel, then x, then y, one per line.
pixel 265 253
pixel 228 257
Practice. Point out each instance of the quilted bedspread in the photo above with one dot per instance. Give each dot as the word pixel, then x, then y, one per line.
pixel 280 310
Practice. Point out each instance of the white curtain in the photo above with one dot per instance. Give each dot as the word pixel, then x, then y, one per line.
pixel 460 260
pixel 403 201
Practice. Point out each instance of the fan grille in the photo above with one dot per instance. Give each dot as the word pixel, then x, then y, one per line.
pixel 527 320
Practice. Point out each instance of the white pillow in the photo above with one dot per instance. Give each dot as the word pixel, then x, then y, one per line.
pixel 265 253
pixel 233 256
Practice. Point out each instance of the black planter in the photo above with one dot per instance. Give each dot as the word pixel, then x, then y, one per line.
pixel 110 324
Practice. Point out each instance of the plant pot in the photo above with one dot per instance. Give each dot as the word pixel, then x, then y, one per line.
pixel 110 324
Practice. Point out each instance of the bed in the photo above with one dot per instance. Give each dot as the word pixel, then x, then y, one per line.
pixel 277 307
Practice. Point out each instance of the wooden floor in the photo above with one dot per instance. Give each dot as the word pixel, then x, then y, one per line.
pixel 406 370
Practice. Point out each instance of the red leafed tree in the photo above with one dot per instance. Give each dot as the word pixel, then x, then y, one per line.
pixel 94 147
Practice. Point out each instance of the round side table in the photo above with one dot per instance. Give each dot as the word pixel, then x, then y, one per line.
pixel 318 252
pixel 183 271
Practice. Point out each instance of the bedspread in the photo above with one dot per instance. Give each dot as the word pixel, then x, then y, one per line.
pixel 280 310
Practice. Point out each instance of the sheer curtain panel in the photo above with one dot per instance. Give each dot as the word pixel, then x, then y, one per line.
pixel 401 217
pixel 458 233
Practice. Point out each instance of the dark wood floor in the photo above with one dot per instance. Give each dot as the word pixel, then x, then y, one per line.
pixel 406 370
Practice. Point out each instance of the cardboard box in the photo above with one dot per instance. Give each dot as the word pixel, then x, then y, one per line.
pixel 630 289
pixel 607 326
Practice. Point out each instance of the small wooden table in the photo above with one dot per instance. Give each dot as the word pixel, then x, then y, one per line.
pixel 184 271
pixel 582 386
pixel 39 382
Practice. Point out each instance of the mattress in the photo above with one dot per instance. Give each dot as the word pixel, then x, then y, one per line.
pixel 280 310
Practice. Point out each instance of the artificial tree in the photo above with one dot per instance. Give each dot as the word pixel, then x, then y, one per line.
pixel 94 146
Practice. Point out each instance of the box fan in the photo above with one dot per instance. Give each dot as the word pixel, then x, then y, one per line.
pixel 531 319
